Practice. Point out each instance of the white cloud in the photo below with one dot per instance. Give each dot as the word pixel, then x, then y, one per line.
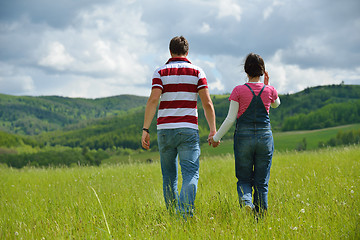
pixel 289 78
pixel 229 8
pixel 57 57
pixel 80 86
pixel 99 46
pixel 216 86
pixel 268 11
pixel 205 28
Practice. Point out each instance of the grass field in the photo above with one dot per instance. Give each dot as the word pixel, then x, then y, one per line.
pixel 312 195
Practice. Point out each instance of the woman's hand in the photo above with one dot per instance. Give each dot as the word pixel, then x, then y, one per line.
pixel 213 143
pixel 266 78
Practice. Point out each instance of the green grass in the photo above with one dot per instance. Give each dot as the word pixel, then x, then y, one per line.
pixel 286 141
pixel 312 195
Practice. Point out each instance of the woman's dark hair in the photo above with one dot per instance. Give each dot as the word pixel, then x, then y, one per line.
pixel 254 65
pixel 179 45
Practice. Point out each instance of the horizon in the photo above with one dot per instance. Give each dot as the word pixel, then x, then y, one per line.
pixel 127 94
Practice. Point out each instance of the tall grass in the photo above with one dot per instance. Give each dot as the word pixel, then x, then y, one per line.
pixel 312 195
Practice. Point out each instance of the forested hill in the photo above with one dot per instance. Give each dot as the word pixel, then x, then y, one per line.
pixel 34 115
pixel 318 107
pixel 312 108
pixel 116 122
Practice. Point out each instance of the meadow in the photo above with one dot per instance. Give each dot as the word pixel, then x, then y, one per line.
pixel 312 195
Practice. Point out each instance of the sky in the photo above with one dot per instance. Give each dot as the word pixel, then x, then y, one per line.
pixel 93 49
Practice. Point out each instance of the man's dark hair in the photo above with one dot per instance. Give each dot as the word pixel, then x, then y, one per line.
pixel 179 45
pixel 254 65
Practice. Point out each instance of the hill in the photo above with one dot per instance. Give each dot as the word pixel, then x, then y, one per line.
pixel 302 103
pixel 313 108
pixel 320 107
pixel 33 115
pixel 116 122
pixel 313 104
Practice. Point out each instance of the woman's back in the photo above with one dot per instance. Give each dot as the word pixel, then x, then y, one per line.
pixel 243 95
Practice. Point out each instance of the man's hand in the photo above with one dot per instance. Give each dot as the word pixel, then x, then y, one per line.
pixel 211 134
pixel 145 140
pixel 213 143
pixel 149 115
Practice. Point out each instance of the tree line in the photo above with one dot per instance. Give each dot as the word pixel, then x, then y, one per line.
pixel 343 138
pixel 328 116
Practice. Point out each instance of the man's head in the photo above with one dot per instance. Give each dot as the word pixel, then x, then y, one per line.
pixel 179 46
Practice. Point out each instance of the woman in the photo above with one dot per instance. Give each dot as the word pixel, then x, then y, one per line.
pixel 253 140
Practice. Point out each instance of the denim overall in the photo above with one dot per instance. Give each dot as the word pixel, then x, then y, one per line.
pixel 253 149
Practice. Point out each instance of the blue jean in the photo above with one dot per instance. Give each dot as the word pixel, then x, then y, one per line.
pixel 182 143
pixel 253 149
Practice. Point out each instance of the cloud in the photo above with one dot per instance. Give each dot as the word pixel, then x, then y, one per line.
pixel 205 28
pixel 13 81
pixel 289 78
pixel 96 49
pixel 112 47
pixel 229 8
pixel 57 58
pixel 268 11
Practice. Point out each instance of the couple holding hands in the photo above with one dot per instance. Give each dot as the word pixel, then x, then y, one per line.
pixel 177 85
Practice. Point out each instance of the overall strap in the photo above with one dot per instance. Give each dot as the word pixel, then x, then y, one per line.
pixel 261 90
pixel 253 90
pixel 250 89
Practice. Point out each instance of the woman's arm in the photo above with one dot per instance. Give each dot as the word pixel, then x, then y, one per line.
pixel 228 122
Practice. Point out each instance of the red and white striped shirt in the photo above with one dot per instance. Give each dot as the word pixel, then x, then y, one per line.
pixel 180 82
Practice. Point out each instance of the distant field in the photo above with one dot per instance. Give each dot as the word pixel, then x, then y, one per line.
pixel 289 140
pixel 312 195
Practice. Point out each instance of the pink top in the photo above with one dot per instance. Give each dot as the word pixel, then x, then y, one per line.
pixel 243 95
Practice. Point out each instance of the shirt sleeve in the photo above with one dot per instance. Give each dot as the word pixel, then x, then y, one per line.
pixel 234 94
pixel 274 94
pixel 228 122
pixel 202 83
pixel 156 81
pixel 276 103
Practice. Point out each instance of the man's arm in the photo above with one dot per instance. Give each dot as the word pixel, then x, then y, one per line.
pixel 208 110
pixel 150 111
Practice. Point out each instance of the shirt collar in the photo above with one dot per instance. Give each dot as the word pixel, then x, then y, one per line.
pixel 183 59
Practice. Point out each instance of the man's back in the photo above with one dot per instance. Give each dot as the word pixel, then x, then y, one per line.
pixel 180 82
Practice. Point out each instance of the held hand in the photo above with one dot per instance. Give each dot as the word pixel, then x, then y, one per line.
pixel 145 140
pixel 211 134
pixel 266 78
pixel 213 143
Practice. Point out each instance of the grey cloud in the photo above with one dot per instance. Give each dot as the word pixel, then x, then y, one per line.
pixel 306 36
pixel 291 26
pixel 57 14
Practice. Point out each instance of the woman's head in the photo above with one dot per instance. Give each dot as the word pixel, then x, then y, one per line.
pixel 254 65
pixel 179 46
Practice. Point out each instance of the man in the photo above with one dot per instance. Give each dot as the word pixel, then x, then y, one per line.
pixel 178 83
